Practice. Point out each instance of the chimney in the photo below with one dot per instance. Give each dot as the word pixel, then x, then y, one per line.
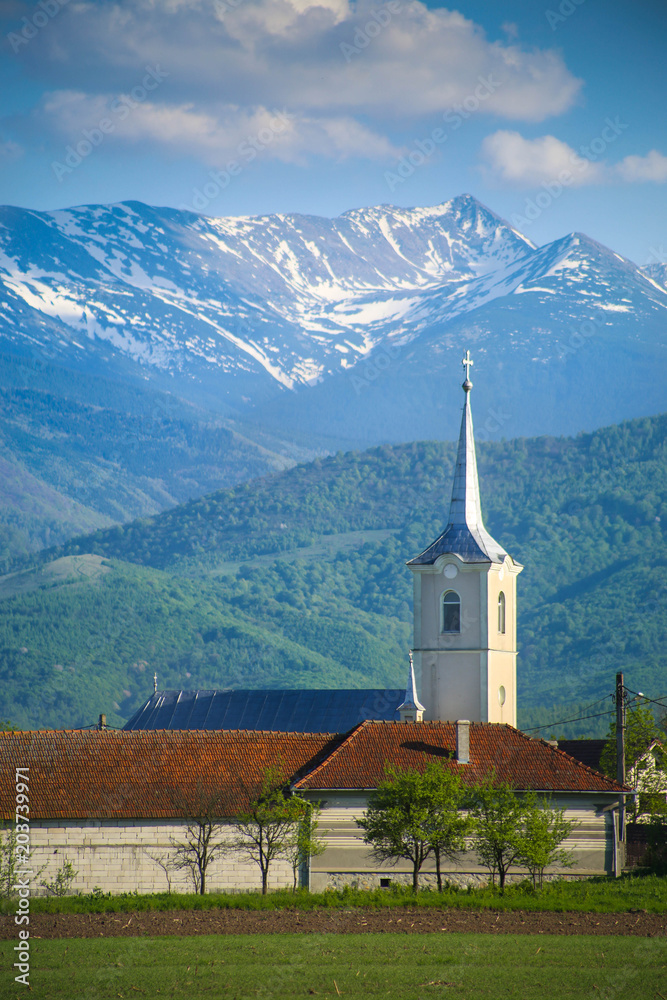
pixel 463 741
pixel 102 724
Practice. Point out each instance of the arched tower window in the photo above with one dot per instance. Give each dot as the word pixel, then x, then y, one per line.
pixel 501 613
pixel 451 612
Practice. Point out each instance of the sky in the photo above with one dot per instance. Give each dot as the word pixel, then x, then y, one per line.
pixel 550 112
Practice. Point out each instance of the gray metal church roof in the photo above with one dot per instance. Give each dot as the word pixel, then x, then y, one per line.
pixel 300 711
pixel 465 535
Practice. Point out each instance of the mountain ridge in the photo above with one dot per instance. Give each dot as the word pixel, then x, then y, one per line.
pixel 192 352
pixel 241 313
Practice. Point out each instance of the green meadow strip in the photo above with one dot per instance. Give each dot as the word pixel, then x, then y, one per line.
pixel 596 895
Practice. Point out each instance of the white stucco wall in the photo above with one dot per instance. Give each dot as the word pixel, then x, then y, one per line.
pixel 592 843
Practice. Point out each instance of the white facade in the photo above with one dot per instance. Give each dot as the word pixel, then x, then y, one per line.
pixel 347 860
pixel 119 855
pixel 469 674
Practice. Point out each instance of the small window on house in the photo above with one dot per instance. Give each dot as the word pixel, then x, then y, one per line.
pixel 501 613
pixel 451 612
pixel 385 883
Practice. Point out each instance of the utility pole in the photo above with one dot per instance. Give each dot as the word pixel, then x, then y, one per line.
pixel 620 753
pixel 620 729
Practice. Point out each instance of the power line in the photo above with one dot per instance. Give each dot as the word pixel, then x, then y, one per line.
pixel 563 722
pixel 583 718
pixel 638 694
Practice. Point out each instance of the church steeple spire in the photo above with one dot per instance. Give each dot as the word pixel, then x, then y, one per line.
pixel 465 605
pixel 465 534
pixel 411 710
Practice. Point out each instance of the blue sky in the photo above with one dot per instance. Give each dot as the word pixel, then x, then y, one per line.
pixel 551 113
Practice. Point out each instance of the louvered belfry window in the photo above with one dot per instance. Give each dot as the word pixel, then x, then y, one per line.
pixel 451 612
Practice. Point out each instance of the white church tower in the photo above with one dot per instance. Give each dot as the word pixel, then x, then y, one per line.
pixel 465 605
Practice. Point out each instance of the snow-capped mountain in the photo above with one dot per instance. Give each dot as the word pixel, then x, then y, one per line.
pixel 657 271
pixel 261 316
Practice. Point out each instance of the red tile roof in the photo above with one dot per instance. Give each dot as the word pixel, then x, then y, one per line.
pixel 81 774
pixel 360 761
pixel 159 774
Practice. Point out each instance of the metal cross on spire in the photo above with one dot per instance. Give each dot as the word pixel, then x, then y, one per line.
pixel 467 362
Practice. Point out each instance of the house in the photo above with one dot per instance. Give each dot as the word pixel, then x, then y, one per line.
pixel 114 802
pixel 647 775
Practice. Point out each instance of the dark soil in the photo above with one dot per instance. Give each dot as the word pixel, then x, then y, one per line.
pixel 186 922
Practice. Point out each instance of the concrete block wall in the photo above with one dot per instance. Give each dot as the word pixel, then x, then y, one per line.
pixel 118 856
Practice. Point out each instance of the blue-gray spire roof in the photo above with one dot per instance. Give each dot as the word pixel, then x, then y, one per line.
pixel 411 701
pixel 465 535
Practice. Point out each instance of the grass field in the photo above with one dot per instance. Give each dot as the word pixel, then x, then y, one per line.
pixel 595 895
pixel 285 967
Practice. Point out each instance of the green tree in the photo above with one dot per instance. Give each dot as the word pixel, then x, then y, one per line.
pixel 448 826
pixel 413 815
pixel 62 883
pixel 499 817
pixel 304 842
pixel 649 776
pixel 266 828
pixel 544 830
pixel 8 863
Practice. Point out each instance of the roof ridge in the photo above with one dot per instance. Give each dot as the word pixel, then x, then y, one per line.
pixel 351 735
pixel 129 734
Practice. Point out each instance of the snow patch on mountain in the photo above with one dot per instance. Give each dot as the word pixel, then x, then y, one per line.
pixel 291 298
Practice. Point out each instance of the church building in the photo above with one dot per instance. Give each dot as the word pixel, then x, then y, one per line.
pixel 464 640
pixel 115 803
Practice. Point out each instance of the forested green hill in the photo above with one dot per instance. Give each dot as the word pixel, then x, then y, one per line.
pixel 78 452
pixel 300 579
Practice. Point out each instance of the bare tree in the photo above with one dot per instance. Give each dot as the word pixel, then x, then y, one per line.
pixel 202 843
pixel 266 828
pixel 167 863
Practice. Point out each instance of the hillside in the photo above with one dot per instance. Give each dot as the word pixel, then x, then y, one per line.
pixel 78 452
pixel 300 579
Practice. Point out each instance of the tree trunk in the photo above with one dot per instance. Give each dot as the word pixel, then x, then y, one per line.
pixel 265 881
pixel 202 882
pixel 438 872
pixel 415 877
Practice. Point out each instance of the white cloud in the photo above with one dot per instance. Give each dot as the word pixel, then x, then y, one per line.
pixel 512 160
pixel 520 162
pixel 215 135
pixel 652 167
pixel 334 64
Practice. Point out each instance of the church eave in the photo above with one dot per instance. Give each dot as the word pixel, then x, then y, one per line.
pixel 460 541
